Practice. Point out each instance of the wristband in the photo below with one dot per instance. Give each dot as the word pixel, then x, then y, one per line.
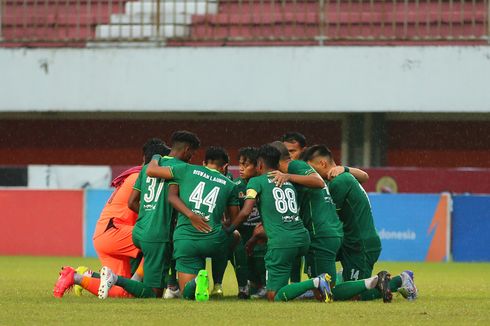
pixel 346 169
pixel 156 157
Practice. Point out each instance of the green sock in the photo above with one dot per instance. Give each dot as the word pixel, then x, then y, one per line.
pixel 240 262
pixel 218 266
pixel 189 292
pixel 95 275
pixel 260 269
pixel 137 289
pixel 340 278
pixel 374 294
pixel 256 270
pixel 135 262
pixel 291 291
pixel 347 290
pixel 172 280
pixel 296 270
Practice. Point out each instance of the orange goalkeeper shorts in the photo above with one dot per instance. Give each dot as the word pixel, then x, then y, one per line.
pixel 115 247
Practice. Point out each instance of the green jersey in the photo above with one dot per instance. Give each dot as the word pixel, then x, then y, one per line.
pixel 300 168
pixel 317 209
pixel 254 218
pixel 155 215
pixel 207 193
pixel 355 212
pixel 229 175
pixel 278 208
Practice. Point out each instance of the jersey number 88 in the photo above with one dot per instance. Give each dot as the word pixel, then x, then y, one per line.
pixel 285 199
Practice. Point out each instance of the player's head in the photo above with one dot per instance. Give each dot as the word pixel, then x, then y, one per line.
pixel 184 144
pixel 247 162
pixel 284 157
pixel 267 158
pixel 154 146
pixel 295 142
pixel 320 158
pixel 216 158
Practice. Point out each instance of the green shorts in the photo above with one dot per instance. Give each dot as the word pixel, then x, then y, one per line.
pixel 278 265
pixel 357 265
pixel 156 263
pixel 190 255
pixel 321 257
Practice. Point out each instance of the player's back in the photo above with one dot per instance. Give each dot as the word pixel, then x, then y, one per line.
pixel 354 210
pixel 278 208
pixel 117 206
pixel 319 214
pixel 207 193
pixel 155 213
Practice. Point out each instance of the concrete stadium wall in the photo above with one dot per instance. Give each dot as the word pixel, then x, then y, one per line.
pixel 280 79
pixel 421 228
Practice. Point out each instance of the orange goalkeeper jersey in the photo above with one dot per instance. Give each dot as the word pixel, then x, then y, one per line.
pixel 117 207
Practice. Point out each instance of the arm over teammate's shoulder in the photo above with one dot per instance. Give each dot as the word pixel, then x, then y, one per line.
pixel 155 170
pixel 302 173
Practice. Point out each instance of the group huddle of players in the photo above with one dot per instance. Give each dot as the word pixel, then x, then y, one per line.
pixel 291 204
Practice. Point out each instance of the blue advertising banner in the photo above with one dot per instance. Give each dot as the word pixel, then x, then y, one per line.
pixel 412 227
pixel 95 199
pixel 471 228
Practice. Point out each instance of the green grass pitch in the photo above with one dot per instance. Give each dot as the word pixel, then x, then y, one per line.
pixel 449 293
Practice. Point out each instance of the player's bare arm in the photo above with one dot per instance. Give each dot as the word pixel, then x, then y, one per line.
pixel 359 174
pixel 258 236
pixel 231 214
pixel 156 171
pixel 134 201
pixel 244 213
pixel 312 180
pixel 197 221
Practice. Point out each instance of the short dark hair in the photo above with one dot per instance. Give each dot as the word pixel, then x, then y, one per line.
pixel 154 146
pixel 294 136
pixel 185 137
pixel 283 150
pixel 216 154
pixel 317 150
pixel 270 155
pixel 249 153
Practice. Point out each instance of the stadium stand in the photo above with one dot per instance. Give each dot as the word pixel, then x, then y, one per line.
pixel 78 23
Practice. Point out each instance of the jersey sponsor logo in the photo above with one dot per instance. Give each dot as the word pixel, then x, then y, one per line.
pixel 254 218
pixel 149 207
pixel 289 219
pixel 209 177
